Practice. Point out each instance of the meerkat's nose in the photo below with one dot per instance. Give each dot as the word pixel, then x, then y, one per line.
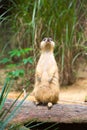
pixel 48 39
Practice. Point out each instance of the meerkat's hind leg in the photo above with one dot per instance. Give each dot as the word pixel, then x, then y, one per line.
pixel 49 105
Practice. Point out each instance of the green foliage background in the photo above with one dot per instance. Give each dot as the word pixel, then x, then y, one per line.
pixel 23 24
pixel 28 22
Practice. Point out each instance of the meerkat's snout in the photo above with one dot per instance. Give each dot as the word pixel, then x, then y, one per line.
pixel 48 40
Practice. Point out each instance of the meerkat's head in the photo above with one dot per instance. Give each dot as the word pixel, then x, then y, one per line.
pixel 47 45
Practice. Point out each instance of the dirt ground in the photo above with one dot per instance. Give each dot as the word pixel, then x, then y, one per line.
pixel 75 93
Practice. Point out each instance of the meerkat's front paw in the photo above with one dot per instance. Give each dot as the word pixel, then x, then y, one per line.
pixel 51 77
pixel 49 105
pixel 39 79
pixel 50 80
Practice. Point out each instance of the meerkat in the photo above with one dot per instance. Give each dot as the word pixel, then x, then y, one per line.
pixel 46 89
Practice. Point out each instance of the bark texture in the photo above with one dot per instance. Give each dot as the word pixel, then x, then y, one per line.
pixel 60 113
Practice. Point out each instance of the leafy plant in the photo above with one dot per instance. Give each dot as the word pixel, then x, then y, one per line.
pixel 5 118
pixel 29 24
pixel 16 74
pixel 5 60
pixel 15 71
pixel 28 60
pixel 19 52
pixel 4 93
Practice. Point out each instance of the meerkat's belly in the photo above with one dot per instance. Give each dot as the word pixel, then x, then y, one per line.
pixel 47 87
pixel 47 91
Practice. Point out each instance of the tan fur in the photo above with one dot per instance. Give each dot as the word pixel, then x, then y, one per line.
pixel 46 77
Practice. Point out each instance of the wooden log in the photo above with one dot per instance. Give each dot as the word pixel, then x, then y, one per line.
pixel 60 113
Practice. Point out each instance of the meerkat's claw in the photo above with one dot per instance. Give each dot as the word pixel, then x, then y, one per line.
pixel 49 105
pixel 50 80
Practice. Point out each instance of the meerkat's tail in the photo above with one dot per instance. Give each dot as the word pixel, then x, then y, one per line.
pixel 49 105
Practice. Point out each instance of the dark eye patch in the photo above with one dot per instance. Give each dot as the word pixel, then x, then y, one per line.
pixel 44 39
pixel 50 39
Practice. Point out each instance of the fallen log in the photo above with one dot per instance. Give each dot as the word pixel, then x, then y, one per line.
pixel 60 113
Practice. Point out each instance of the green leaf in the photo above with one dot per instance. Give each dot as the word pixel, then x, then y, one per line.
pixel 5 91
pixel 11 66
pixel 15 52
pixel 5 60
pixel 16 73
pixel 19 52
pixel 28 60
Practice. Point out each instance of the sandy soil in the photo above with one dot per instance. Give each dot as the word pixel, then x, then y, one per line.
pixel 74 93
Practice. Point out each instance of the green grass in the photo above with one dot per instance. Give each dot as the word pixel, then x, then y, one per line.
pixel 5 118
pixel 29 21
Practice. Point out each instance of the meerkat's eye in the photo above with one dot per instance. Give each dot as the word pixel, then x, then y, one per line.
pixel 50 39
pixel 44 39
